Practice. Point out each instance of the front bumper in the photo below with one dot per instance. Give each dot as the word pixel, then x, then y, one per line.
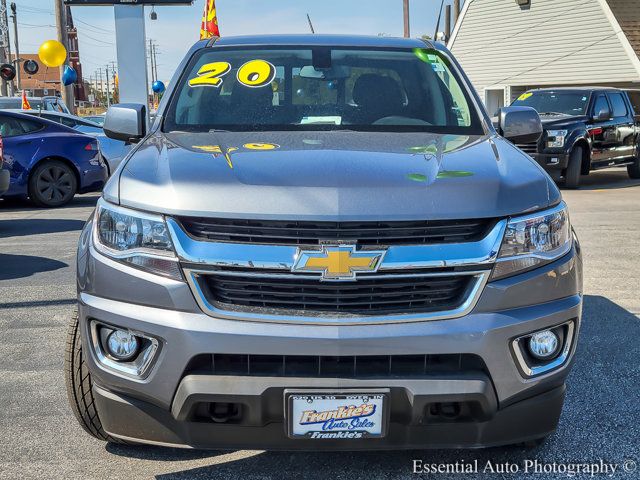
pixel 158 407
pixel 135 420
pixel 4 181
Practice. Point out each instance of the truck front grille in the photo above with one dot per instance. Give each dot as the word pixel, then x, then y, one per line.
pixel 528 147
pixel 385 294
pixel 282 232
pixel 314 366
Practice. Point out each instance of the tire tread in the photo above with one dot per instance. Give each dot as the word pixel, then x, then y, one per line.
pixel 79 385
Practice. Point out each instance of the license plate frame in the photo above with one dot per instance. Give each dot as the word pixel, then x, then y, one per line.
pixel 336 397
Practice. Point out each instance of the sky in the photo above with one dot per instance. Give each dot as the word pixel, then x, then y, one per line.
pixel 177 28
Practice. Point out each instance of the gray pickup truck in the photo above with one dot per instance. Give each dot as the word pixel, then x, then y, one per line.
pixel 322 243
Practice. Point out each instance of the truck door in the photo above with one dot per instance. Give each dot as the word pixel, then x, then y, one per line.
pixel 602 130
pixel 625 126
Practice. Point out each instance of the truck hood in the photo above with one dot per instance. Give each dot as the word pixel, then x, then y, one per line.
pixel 339 175
pixel 557 121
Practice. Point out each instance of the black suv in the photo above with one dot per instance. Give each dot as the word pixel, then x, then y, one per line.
pixel 585 129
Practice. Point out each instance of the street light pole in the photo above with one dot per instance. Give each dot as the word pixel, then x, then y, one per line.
pixel 407 30
pixel 14 17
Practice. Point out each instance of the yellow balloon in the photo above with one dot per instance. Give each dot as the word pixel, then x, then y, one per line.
pixel 52 53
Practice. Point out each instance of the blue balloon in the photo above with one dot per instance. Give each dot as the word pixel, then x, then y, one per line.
pixel 69 76
pixel 158 87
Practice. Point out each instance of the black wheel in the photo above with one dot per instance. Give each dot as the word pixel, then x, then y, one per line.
pixel 78 382
pixel 572 174
pixel 52 184
pixel 634 169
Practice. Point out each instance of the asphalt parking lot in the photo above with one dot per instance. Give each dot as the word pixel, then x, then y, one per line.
pixel 41 439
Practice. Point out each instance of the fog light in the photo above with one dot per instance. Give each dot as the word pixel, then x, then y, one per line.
pixel 543 345
pixel 122 345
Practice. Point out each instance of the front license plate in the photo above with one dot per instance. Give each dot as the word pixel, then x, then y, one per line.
pixel 337 415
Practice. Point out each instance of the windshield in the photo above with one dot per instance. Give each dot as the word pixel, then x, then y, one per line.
pixel 321 89
pixel 16 103
pixel 554 103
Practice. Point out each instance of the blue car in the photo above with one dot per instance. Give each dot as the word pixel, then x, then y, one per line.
pixel 49 162
pixel 112 150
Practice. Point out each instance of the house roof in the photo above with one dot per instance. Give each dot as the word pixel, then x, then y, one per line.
pixel 627 13
pixel 552 42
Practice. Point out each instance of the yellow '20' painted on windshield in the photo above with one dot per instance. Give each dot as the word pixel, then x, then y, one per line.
pixel 256 73
pixel 210 73
pixel 253 74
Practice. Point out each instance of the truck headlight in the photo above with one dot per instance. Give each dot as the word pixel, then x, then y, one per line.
pixel 534 240
pixel 556 138
pixel 135 238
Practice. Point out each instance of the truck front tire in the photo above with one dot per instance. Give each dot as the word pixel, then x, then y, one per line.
pixel 78 382
pixel 574 168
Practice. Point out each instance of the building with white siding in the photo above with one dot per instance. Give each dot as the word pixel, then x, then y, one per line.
pixel 509 46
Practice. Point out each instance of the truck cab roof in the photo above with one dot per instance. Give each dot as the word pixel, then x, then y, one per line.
pixel 321 40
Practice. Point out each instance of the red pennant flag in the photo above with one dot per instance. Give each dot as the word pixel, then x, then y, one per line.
pixel 25 103
pixel 209 26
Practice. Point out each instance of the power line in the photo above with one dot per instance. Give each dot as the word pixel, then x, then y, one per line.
pixel 97 39
pixel 93 26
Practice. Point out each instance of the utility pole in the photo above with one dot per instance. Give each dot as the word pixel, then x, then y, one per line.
pixel 447 22
pixel 95 89
pixel 101 84
pixel 14 17
pixel 113 77
pixel 91 87
pixel 407 30
pixel 108 96
pixel 151 60
pixel 5 50
pixel 61 25
pixel 456 12
pixel 155 62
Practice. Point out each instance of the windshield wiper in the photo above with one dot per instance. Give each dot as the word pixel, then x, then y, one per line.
pixel 553 113
pixel 218 130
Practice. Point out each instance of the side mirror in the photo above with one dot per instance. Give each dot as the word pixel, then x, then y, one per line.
pixel 602 115
pixel 520 124
pixel 126 122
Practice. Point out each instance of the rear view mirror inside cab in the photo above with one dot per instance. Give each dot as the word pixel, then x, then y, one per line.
pixel 334 73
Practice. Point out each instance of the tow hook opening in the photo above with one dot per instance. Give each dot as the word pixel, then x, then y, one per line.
pixel 445 412
pixel 223 412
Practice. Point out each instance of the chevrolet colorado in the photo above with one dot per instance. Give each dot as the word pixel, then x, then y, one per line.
pixel 322 243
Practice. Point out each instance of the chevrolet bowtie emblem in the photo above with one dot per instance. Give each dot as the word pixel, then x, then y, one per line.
pixel 340 262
